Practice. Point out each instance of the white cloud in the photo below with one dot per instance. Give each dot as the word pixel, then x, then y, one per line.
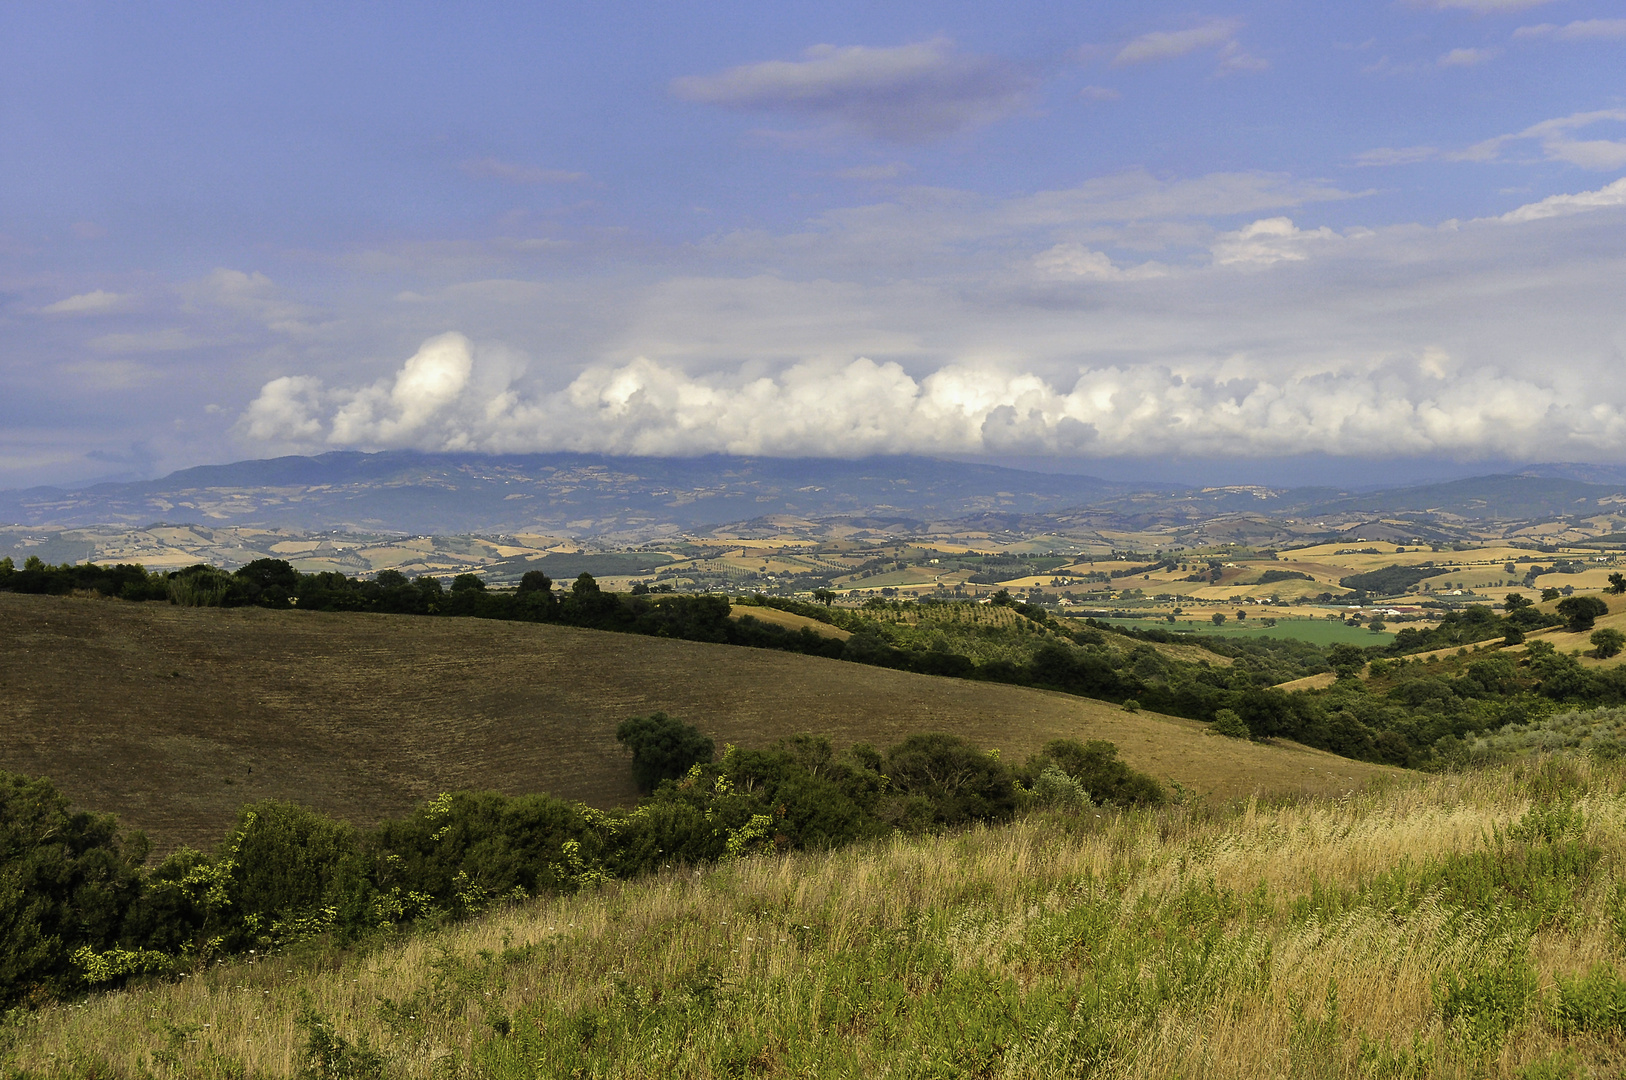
pixel 490 168
pixel 402 411
pixel 1405 155
pixel 1417 404
pixel 905 93
pixel 1467 57
pixel 1076 262
pixel 1557 143
pixel 1605 198
pixel 1167 44
pixel 287 411
pixel 251 295
pixel 97 302
pixel 1268 241
pixel 1580 30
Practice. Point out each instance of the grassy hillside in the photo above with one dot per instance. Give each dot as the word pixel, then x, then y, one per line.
pixel 174 717
pixel 1460 926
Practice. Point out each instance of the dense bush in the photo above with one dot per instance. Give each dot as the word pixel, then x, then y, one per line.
pixel 77 910
pixel 663 748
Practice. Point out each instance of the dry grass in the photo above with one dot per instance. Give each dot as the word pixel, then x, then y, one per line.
pixel 884 960
pixel 174 717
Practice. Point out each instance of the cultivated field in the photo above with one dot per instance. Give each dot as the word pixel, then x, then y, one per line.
pixel 1442 927
pixel 173 717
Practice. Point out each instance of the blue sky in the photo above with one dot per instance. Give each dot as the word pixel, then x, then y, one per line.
pixel 1259 238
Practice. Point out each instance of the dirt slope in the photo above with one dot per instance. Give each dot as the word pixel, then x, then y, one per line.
pixel 173 717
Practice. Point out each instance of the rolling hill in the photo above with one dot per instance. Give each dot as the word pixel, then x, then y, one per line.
pixel 174 717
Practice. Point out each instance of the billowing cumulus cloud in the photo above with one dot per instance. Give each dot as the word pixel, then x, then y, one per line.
pixel 905 93
pixel 1230 406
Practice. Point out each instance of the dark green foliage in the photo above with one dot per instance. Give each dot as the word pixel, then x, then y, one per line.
pixel 949 781
pixel 1095 765
pixel 1270 577
pixel 1389 580
pixel 1580 612
pixel 663 748
pixel 291 861
pixel 1607 642
pixel 66 879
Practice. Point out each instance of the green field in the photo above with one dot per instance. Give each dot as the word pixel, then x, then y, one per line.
pixel 1315 631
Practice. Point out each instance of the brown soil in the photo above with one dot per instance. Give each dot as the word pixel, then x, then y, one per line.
pixel 174 717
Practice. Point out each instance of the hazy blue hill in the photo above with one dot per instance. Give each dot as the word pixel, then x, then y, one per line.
pixel 1506 498
pixel 581 493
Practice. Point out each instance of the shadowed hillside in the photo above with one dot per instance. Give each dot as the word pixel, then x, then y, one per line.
pixel 174 717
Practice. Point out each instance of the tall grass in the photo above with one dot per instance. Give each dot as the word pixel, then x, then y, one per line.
pixel 1453 926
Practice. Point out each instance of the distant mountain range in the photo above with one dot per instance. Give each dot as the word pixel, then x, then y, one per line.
pixel 594 496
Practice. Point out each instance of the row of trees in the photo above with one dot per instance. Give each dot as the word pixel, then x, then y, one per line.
pixel 78 909
pixel 1093 660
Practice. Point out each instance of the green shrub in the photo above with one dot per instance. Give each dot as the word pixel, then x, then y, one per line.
pixel 1595 1002
pixel 958 782
pixel 1228 723
pixel 1607 642
pixel 1056 790
pixel 66 879
pixel 1096 767
pixel 1484 1003
pixel 663 748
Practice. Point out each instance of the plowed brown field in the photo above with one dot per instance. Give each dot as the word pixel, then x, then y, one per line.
pixel 174 717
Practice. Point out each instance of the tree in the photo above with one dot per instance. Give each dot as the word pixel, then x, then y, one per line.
pixel 468 583
pixel 1218 618
pixel 1607 642
pixel 1550 594
pixel 1345 659
pixel 824 596
pixel 535 581
pixel 1617 583
pixel 1514 602
pixel 1376 625
pixel 663 748
pixel 1581 612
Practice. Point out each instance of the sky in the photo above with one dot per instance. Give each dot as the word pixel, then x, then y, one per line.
pixel 1253 241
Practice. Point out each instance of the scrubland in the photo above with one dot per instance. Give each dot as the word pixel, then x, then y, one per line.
pixel 1470 924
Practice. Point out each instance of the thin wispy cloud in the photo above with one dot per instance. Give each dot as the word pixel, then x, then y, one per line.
pixel 96 302
pixel 1581 30
pixel 1558 143
pixel 1391 155
pixel 1217 34
pixel 1555 141
pixel 906 93
pixel 1466 57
